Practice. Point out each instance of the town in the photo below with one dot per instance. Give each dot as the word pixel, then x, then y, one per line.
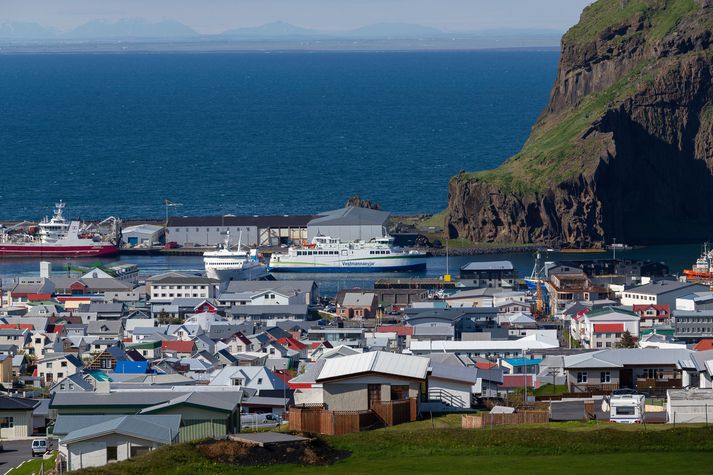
pixel 106 363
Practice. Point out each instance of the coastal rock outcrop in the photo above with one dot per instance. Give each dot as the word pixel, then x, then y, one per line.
pixel 624 148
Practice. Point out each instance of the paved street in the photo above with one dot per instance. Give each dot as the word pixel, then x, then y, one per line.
pixel 15 452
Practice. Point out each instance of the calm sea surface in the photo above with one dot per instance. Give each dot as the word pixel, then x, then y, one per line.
pixel 256 133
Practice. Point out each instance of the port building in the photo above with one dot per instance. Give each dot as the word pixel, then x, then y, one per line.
pixel 202 231
pixel 349 224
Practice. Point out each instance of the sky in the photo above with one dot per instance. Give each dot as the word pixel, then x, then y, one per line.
pixel 215 16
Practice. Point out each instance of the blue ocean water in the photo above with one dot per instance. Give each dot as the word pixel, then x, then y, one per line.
pixel 256 133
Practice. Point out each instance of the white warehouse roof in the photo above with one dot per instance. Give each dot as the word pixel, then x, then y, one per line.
pixel 375 362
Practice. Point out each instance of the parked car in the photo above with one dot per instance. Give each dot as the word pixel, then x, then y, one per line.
pixel 39 447
pixel 260 420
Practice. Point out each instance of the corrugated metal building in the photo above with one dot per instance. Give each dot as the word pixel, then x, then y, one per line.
pixel 349 224
pixel 256 230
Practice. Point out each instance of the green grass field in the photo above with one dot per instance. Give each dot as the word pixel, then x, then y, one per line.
pixel 33 466
pixel 567 448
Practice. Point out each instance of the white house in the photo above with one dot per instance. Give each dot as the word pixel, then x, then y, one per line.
pixel 56 366
pixel 604 327
pixel 659 293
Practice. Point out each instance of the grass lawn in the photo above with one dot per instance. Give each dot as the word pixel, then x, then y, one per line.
pixel 33 466
pixel 572 447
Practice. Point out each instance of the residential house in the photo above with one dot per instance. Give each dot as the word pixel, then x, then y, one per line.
pixel 651 315
pixel 357 304
pixel 16 417
pixel 98 440
pixel 56 366
pixel 650 370
pixel 604 327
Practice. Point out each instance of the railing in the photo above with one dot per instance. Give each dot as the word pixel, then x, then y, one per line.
pixel 448 398
pixel 395 412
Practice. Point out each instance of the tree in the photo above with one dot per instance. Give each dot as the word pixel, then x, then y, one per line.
pixel 627 341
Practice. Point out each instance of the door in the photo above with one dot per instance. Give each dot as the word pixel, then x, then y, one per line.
pixel 626 378
pixel 374 394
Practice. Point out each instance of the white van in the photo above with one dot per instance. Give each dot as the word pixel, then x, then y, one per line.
pixel 39 447
pixel 627 408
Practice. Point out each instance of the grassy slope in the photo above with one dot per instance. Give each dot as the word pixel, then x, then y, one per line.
pixel 33 466
pixel 552 153
pixel 415 448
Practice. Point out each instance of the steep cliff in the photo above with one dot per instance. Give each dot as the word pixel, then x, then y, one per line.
pixel 625 146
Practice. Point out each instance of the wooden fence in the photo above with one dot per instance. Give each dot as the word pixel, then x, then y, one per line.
pixel 321 421
pixel 486 419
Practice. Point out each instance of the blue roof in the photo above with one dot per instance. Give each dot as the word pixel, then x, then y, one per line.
pixel 522 361
pixel 132 367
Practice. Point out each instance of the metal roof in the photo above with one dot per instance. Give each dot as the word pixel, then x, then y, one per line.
pixel 279 221
pixel 394 364
pixel 664 286
pixel 163 430
pixel 351 216
pixel 488 265
pixel 617 358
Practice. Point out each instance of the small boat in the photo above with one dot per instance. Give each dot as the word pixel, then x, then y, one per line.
pixel 703 269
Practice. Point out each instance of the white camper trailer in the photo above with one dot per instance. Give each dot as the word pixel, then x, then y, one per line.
pixel 627 408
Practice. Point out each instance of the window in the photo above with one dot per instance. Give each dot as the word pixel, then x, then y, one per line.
pixel 582 377
pixel 259 380
pixel 625 410
pixel 605 377
pixel 7 422
pixel 111 455
pixel 237 381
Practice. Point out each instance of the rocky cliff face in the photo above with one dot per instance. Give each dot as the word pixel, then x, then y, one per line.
pixel 625 147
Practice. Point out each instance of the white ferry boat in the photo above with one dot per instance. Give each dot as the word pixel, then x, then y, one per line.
pixel 327 254
pixel 227 264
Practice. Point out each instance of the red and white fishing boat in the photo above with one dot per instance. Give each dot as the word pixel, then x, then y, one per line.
pixel 56 237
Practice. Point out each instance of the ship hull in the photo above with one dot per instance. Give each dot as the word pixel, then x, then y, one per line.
pixel 347 269
pixel 224 275
pixel 48 251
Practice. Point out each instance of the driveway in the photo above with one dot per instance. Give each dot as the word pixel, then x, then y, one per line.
pixel 16 452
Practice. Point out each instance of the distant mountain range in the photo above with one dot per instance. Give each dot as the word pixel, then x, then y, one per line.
pixel 138 28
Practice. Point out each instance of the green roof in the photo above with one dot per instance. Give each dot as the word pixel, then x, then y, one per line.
pixel 144 345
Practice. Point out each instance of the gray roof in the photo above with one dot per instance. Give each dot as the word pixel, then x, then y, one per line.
pixel 112 327
pixel 202 399
pixel 358 298
pixel 433 330
pixel 351 216
pixel 101 307
pixel 665 286
pixel 617 358
pixel 162 429
pixel 284 286
pixel 466 374
pixel 299 310
pixel 132 399
pixel 488 265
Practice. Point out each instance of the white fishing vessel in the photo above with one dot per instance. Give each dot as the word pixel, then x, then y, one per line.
pixel 327 254
pixel 233 264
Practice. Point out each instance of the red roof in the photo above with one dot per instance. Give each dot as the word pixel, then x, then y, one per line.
pixel 38 297
pixel 317 344
pixel 514 381
pixel 662 311
pixel 400 330
pixel 292 344
pixel 608 328
pixel 16 326
pixel 484 365
pixel 704 345
pixel 178 346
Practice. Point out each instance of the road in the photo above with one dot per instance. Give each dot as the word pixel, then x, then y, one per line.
pixel 16 452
